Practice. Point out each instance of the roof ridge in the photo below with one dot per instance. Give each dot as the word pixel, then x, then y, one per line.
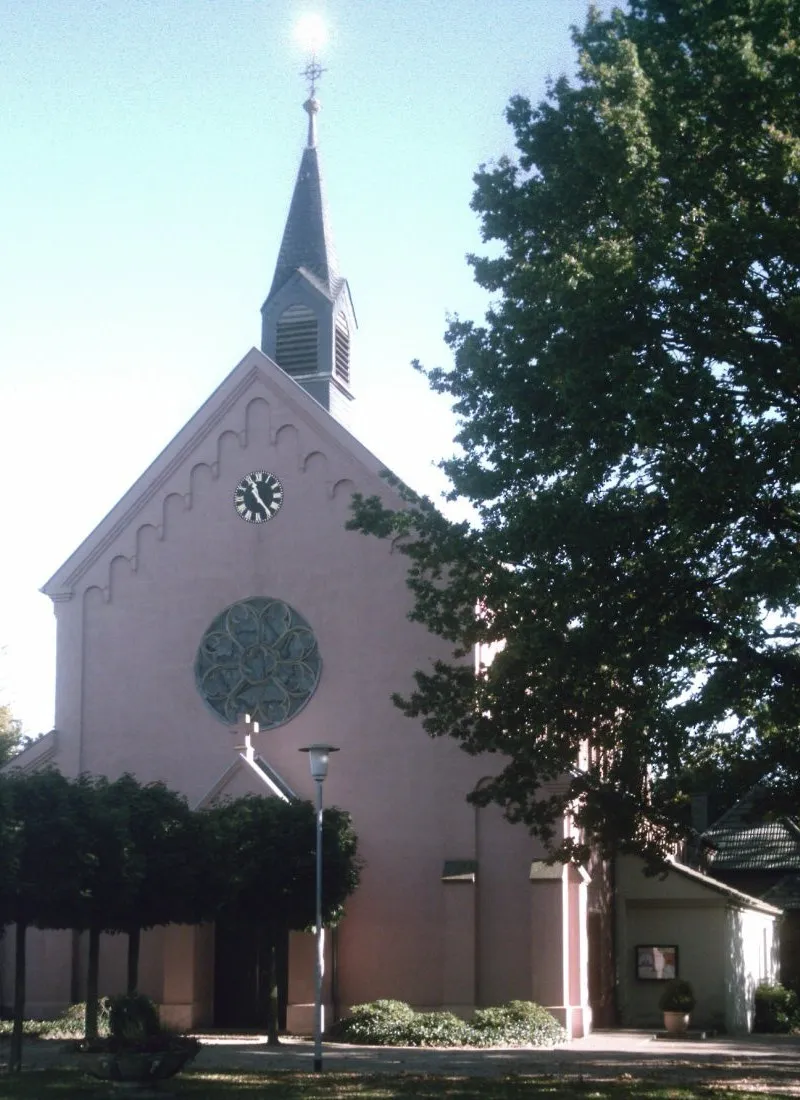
pixel 735 811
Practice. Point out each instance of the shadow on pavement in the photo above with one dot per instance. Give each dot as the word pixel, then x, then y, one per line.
pixel 773 1059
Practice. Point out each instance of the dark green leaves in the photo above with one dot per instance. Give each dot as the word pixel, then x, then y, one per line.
pixel 630 411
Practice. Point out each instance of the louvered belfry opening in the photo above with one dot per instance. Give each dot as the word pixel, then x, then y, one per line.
pixel 342 364
pixel 296 343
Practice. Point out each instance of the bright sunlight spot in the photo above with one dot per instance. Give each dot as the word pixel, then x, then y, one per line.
pixel 310 33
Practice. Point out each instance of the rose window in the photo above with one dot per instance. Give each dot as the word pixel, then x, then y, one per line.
pixel 258 657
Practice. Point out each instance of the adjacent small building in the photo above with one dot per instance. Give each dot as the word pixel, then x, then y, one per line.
pixel 682 923
pixel 760 855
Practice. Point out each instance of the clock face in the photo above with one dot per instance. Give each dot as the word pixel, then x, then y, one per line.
pixel 258 496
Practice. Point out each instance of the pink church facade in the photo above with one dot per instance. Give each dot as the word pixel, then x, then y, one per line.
pixel 456 908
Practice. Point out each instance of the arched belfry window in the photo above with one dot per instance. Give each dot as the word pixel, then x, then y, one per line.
pixel 342 348
pixel 296 340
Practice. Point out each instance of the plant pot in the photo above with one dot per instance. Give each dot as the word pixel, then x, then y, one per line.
pixel 676 1023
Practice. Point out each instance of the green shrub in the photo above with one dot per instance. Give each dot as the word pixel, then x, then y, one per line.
pixel 393 1023
pixel 776 1009
pixel 518 1023
pixel 32 1028
pixel 379 1023
pixel 436 1029
pixel 71 1024
pixel 677 996
pixel 133 1017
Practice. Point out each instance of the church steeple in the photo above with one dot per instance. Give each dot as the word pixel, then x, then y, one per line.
pixel 308 318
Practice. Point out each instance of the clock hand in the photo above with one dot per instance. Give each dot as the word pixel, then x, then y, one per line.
pixel 257 495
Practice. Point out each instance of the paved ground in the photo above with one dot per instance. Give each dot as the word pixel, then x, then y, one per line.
pixel 758 1061
pixel 603 1054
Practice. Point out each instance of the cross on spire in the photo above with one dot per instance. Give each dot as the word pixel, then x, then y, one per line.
pixel 312 72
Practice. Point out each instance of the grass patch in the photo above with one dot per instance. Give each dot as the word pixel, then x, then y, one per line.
pixel 216 1085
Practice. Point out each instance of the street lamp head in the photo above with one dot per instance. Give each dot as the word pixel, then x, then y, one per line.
pixel 318 756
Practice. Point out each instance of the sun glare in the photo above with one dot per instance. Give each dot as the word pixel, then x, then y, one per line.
pixel 310 33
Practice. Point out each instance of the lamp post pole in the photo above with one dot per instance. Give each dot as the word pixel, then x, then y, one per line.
pixel 318 756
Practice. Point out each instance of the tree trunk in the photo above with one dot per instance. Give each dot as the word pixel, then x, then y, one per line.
pixel 268 983
pixel 15 1054
pixel 134 941
pixel 92 982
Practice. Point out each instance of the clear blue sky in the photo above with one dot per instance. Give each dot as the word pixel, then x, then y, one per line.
pixel 148 153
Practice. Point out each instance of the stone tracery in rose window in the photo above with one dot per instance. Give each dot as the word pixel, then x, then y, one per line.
pixel 260 657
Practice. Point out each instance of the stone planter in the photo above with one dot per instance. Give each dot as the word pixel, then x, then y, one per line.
pixel 137 1072
pixel 676 1023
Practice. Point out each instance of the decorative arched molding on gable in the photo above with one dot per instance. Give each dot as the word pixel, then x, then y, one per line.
pixel 315 460
pixel 95 595
pixel 175 504
pixel 229 443
pixel 200 475
pixel 120 569
pixel 344 485
pixel 257 420
pixel 287 443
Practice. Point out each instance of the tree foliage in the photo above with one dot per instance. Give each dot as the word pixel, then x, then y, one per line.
pixel 166 859
pixel 42 845
pixel 12 739
pixel 629 417
pixel 98 856
pixel 267 849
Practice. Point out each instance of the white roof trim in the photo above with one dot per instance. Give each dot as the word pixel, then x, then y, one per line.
pixel 35 756
pixel 744 900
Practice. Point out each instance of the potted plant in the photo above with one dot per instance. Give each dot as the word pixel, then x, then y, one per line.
pixel 138 1051
pixel 676 1002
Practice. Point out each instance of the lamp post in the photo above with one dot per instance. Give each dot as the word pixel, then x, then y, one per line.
pixel 318 756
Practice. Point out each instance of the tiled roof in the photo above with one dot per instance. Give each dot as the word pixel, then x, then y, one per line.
pixel 785 893
pixel 744 841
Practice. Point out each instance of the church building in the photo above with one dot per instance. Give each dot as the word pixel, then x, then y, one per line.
pixel 224 581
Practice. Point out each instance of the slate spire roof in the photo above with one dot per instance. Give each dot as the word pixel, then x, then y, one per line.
pixel 307 239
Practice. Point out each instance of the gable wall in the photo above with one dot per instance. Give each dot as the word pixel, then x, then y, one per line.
pixel 127 698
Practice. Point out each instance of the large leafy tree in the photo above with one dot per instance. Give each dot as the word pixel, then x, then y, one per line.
pixel 267 849
pixel 629 416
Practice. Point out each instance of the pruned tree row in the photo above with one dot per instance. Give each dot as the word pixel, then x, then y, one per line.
pixel 97 855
